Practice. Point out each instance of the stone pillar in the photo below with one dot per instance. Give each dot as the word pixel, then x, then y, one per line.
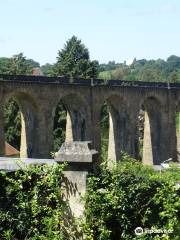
pixel 168 134
pixel 23 145
pixel 178 137
pixel 147 146
pixel 46 124
pixel 121 134
pixel 69 132
pixel 42 138
pixel 2 139
pixel 28 132
pixel 159 135
pixel 78 121
pixel 79 156
pixel 112 156
pixel 35 134
pixel 96 136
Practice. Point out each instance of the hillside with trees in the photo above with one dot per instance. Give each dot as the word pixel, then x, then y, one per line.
pixel 143 70
pixel 74 61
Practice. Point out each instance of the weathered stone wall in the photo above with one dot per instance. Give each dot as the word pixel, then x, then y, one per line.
pixel 38 102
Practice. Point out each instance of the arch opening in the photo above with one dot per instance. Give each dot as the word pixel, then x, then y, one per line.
pixel 104 126
pixel 115 129
pixel 70 121
pixel 59 128
pixel 140 135
pixel 20 125
pixel 12 128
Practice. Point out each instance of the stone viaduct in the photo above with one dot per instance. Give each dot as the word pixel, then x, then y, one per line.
pixel 38 97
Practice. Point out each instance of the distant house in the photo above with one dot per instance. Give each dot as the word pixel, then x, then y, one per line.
pixel 37 72
pixel 10 151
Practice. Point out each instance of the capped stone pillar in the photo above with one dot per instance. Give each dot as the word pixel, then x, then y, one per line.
pixel 79 157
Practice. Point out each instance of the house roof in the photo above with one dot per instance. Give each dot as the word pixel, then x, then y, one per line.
pixel 37 72
pixel 10 150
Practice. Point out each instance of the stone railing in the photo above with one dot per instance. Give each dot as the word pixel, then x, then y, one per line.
pixel 84 82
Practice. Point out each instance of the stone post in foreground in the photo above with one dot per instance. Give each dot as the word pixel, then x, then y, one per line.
pixel 80 158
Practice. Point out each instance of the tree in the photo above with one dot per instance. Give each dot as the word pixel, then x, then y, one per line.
pixel 47 69
pixel 32 64
pixel 12 123
pixel 130 195
pixel 174 76
pixel 74 62
pixel 4 65
pixel 173 63
pixel 18 65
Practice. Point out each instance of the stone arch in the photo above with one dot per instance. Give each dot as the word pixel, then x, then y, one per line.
pixel 148 96
pixel 119 127
pixel 153 131
pixel 29 112
pixel 78 117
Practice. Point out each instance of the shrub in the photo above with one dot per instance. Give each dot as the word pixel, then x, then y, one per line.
pixel 129 196
pixel 32 205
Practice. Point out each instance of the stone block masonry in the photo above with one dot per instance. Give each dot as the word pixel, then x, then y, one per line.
pixel 38 97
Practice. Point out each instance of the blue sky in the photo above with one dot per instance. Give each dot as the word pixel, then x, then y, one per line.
pixel 111 29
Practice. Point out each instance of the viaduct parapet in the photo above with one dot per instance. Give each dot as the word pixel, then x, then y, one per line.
pixel 38 97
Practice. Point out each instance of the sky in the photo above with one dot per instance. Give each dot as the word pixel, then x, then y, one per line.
pixel 116 30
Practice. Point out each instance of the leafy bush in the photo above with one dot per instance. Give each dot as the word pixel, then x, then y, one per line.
pixel 32 205
pixel 129 196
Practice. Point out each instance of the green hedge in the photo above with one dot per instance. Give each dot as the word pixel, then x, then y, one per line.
pixel 130 196
pixel 32 205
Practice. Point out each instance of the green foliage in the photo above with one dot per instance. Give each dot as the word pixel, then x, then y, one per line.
pixel 12 123
pixel 47 69
pixel 19 65
pixel 111 65
pixel 73 61
pixel 32 205
pixel 105 75
pixel 59 126
pixel 131 196
pixel 143 70
pixel 4 65
pixel 104 131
